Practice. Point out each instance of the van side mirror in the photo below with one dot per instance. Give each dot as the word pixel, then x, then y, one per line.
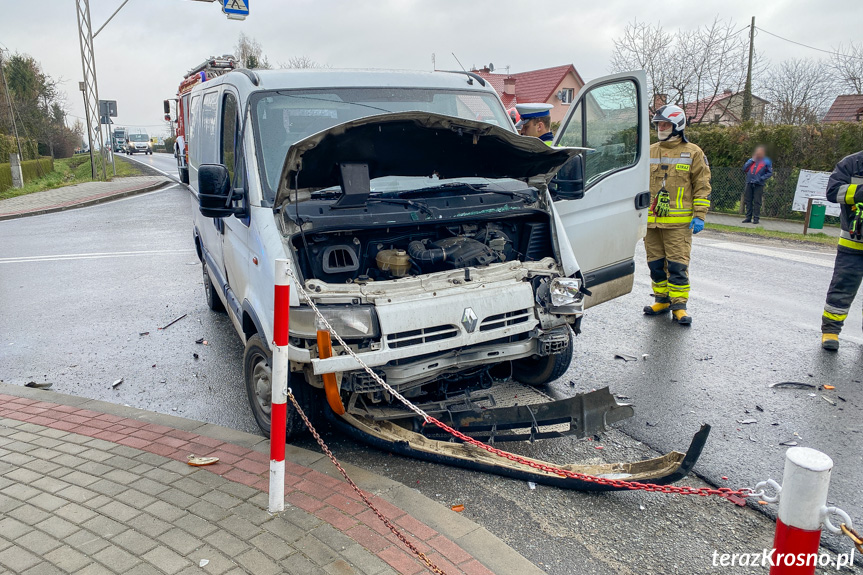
pixel 167 106
pixel 215 194
pixel 568 183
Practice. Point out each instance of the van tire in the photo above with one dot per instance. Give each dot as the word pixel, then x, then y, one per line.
pixel 540 371
pixel 257 362
pixel 213 301
pixel 184 175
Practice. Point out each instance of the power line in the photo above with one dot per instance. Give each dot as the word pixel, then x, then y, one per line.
pixel 832 53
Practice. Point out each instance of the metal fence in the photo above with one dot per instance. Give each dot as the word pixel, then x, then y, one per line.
pixel 727 195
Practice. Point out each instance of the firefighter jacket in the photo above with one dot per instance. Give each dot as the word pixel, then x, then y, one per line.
pixel 845 188
pixel 684 168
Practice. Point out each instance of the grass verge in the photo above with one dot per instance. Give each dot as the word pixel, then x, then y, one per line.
pixel 68 171
pixel 819 238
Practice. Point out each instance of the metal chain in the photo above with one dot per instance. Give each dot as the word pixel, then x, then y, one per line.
pixel 853 535
pixel 428 562
pixel 724 492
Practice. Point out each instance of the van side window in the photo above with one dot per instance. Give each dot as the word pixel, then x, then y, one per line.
pixel 208 146
pixel 230 135
pixel 192 144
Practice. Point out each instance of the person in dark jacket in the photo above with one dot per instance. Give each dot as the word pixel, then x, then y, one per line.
pixel 845 188
pixel 758 170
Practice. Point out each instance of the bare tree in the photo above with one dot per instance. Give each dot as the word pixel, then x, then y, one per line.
pixel 249 53
pixel 297 62
pixel 848 66
pixel 688 67
pixel 799 91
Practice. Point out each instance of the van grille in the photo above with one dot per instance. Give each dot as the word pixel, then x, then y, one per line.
pixel 507 319
pixel 420 336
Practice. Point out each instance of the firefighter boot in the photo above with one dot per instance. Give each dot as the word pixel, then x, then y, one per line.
pixel 830 341
pixel 680 316
pixel 656 309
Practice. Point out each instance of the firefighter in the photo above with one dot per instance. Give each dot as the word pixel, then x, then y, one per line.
pixel 535 121
pixel 679 189
pixel 845 187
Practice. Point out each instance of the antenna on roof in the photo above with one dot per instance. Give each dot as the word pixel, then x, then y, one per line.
pixel 459 61
pixel 434 65
pixel 490 67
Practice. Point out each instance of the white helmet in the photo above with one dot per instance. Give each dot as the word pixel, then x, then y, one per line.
pixel 673 114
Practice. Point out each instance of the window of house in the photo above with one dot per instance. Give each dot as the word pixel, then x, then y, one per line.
pixel 566 95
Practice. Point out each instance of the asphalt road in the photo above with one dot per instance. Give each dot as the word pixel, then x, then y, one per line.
pixel 86 291
pixel 164 163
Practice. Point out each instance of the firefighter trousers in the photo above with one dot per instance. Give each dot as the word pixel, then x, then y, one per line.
pixel 847 275
pixel 668 260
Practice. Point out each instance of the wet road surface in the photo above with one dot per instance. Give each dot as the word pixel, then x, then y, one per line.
pixel 81 287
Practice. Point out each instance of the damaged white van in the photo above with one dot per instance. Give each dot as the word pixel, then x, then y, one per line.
pixel 453 255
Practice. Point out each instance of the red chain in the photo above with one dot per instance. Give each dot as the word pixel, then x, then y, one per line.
pixel 724 492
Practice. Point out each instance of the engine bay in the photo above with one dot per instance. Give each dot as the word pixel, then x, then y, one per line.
pixel 394 252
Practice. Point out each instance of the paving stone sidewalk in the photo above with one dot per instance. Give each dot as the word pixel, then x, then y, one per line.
pixel 78 195
pixel 88 492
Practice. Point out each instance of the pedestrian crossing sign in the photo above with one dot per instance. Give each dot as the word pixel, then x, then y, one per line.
pixel 236 9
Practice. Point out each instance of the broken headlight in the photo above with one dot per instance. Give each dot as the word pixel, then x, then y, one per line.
pixel 565 291
pixel 349 321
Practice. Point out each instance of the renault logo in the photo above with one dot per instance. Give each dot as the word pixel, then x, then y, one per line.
pixel 469 320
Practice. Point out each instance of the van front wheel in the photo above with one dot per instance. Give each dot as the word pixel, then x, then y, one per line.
pixel 258 373
pixel 542 370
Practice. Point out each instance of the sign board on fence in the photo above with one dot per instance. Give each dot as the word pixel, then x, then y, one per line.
pixel 813 184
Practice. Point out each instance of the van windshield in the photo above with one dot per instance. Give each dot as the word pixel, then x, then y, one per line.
pixel 285 117
pixel 139 138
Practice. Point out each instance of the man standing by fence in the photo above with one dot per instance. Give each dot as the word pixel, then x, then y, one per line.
pixel 845 187
pixel 758 170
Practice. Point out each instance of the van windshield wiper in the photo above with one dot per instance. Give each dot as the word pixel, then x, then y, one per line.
pixel 402 202
pixel 460 186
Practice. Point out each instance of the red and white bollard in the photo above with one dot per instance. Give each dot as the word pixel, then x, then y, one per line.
pixel 802 503
pixel 280 373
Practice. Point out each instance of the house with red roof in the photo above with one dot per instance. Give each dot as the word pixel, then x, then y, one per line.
pixel 725 109
pixel 847 108
pixel 557 86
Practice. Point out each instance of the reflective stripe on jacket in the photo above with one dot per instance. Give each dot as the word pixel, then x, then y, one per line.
pixel 845 188
pixel 687 180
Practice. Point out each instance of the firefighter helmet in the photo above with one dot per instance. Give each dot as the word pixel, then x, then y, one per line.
pixel 673 114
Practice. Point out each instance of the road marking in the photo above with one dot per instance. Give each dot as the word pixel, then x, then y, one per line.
pixel 90 256
pixel 790 255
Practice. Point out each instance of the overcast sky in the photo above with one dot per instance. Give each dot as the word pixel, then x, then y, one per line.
pixel 142 54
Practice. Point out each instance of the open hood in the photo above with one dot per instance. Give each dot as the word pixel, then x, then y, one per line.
pixel 415 144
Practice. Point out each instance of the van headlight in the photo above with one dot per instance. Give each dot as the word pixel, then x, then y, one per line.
pixel 565 291
pixel 349 321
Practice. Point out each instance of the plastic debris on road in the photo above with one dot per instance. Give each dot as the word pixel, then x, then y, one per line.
pixel 38 384
pixel 792 385
pixel 196 461
pixel 625 357
pixel 117 383
pixel 457 508
pixel 532 485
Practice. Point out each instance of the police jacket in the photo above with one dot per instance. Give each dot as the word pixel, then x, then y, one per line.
pixel 757 173
pixel 687 180
pixel 845 188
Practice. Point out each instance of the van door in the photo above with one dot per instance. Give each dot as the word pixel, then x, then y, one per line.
pixel 610 117
pixel 235 236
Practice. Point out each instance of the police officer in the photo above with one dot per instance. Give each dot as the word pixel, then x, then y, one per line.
pixel 535 121
pixel 845 187
pixel 679 190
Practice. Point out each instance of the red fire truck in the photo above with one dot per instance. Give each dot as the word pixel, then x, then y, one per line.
pixel 207 70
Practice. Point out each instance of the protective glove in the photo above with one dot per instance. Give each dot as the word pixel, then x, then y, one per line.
pixel 663 204
pixel 856 227
pixel 696 225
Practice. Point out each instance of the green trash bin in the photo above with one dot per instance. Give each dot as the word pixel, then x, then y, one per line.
pixel 816 217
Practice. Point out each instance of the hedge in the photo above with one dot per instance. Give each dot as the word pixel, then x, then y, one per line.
pixel 814 147
pixel 8 145
pixel 32 169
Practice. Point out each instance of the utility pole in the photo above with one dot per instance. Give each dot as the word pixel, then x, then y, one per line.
pixel 747 90
pixel 91 89
pixel 11 111
pixel 83 87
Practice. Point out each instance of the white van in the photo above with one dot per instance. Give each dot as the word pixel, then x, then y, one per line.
pixel 429 233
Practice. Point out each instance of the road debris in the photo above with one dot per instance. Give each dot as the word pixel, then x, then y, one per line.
pixel 196 461
pixel 705 358
pixel 203 562
pixel 201 341
pixel 747 421
pixel 173 321
pixel 532 485
pixel 196 356
pixel 828 400
pixel 458 508
pixel 38 384
pixel 142 333
pixel 829 387
pixel 644 356
pixel 625 356
pixel 792 385
pixel 789 443
pixel 117 383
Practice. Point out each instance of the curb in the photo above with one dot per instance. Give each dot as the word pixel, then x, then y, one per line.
pixel 92 201
pixel 487 548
